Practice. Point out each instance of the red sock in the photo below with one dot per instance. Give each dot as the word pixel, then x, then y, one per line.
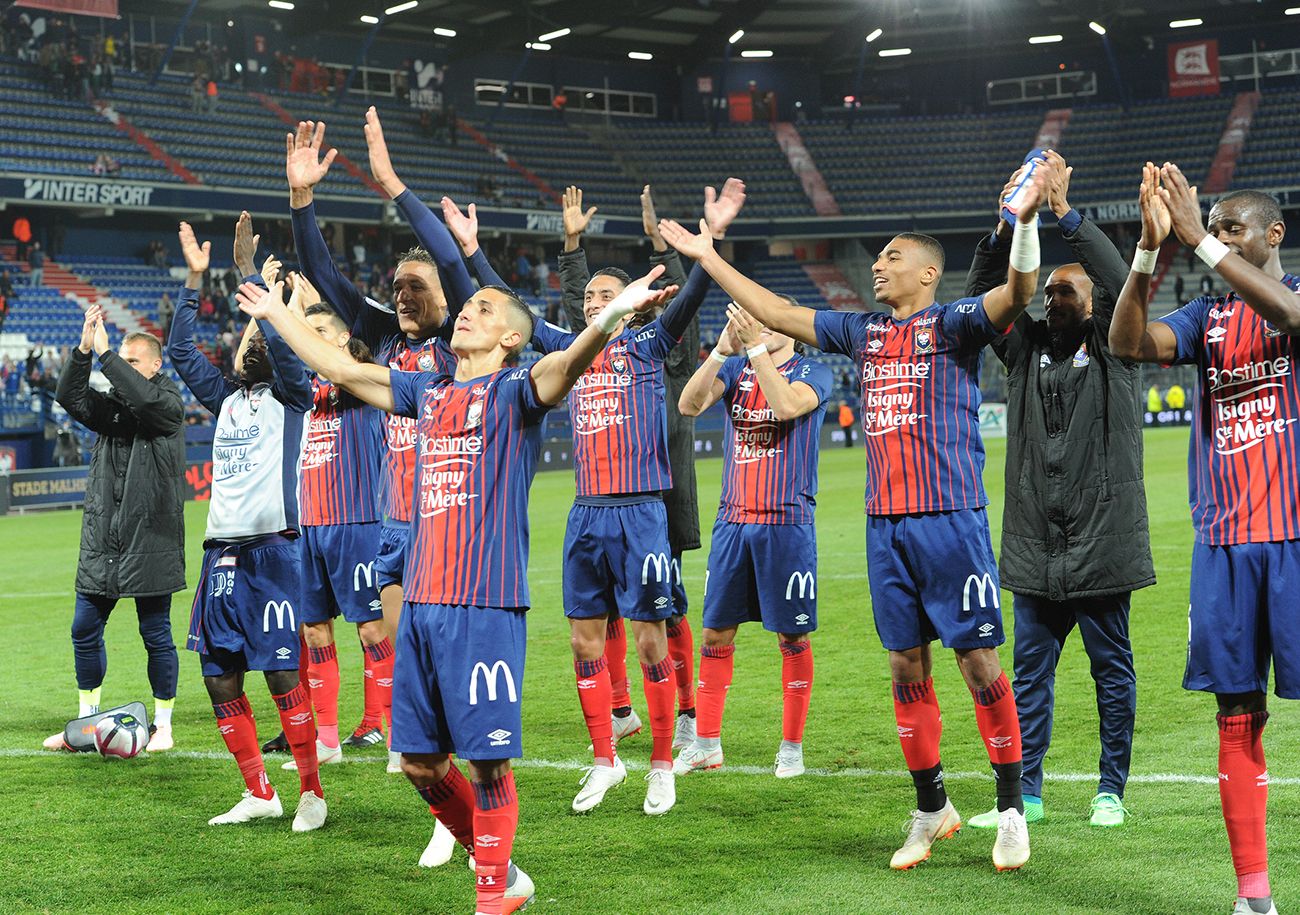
pixel 1243 791
pixel 999 724
pixel 300 731
pixel 235 721
pixel 496 817
pixel 616 661
pixel 797 675
pixel 715 680
pixel 920 727
pixel 379 682
pixel 371 716
pixel 303 654
pixel 659 702
pixel 681 649
pixel 323 677
pixel 452 802
pixel 593 694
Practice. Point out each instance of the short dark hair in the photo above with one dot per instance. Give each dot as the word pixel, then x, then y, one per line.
pixel 616 273
pixel 929 244
pixel 149 340
pixel 1264 207
pixel 523 316
pixel 419 256
pixel 320 308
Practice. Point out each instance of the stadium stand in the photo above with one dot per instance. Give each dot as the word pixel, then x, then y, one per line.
pixel 1269 158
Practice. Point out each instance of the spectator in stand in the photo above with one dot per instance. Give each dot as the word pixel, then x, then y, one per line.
pixel 207 307
pixel 1180 294
pixel 1207 284
pixel 22 236
pixel 542 274
pixel 166 311
pixel 1176 397
pixel 6 285
pixel 100 167
pixel 36 261
pixel 197 91
pixel 4 310
pixel 523 269
pixel 846 423
pixel 212 97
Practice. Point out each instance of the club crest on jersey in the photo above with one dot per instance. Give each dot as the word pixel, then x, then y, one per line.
pixel 1081 357
pixel 618 364
pixel 474 415
pixel 924 340
pixel 425 362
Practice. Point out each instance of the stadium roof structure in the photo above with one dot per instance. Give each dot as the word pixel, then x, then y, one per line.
pixel 685 32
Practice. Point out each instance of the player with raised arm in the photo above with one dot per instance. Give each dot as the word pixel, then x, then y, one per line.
pixel 930 556
pixel 462 633
pixel 616 550
pixel 1241 477
pixel 763 555
pixel 247 602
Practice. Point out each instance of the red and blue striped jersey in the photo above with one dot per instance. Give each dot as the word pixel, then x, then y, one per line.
pixel 620 426
pixel 769 473
pixel 398 480
pixel 339 479
pixel 920 403
pixel 1243 467
pixel 477 443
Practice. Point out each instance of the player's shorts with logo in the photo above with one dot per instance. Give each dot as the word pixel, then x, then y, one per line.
pixel 762 572
pixel 1244 614
pixel 458 681
pixel 933 576
pixel 391 560
pixel 247 606
pixel 617 561
pixel 680 604
pixel 338 572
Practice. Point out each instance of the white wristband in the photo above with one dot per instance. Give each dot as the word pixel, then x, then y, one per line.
pixel 612 313
pixel 756 350
pixel 1024 247
pixel 717 357
pixel 1211 250
pixel 1145 261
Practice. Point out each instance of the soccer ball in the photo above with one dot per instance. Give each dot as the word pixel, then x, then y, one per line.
pixel 122 735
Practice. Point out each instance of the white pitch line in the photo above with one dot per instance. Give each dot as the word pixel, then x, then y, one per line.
pixel 575 765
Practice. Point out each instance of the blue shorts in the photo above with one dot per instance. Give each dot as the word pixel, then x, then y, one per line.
pixel 458 681
pixel 933 576
pixel 390 562
pixel 617 562
pixel 680 606
pixel 246 607
pixel 764 572
pixel 1243 615
pixel 338 572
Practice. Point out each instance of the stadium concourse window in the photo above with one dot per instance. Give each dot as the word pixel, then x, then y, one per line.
pixel 1075 84
pixel 607 101
pixel 522 95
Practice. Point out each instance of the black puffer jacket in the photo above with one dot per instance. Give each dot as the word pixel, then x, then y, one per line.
pixel 133 526
pixel 1075 520
pixel 682 501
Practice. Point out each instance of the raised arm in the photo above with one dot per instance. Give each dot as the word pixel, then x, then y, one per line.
pixel 764 305
pixel 575 220
pixel 1003 304
pixel 158 408
pixel 554 375
pixel 429 230
pixel 705 388
pixel 367 381
pixel 1266 295
pixel 788 401
pixel 465 230
pixel 1132 336
pixel 74 393
pixel 204 379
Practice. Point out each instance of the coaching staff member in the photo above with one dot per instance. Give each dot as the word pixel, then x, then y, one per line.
pixel 133 527
pixel 1074 529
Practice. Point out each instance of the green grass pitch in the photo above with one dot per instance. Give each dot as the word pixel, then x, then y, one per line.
pixel 82 834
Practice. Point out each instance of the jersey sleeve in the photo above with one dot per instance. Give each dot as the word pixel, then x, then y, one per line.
pixel 1188 325
pixel 967 323
pixel 653 341
pixel 517 387
pixel 407 388
pixel 547 338
pixel 728 373
pixel 817 376
pixel 839 331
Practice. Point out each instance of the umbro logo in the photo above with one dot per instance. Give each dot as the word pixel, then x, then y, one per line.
pixel 499 737
pixel 283 653
pixel 874 345
pixel 315 684
pixel 986 630
pixel 678 665
pixel 376 606
pixel 661 602
pixel 904 732
pixel 802 619
pixel 798 684
pixel 487 840
pixel 1261 780
pixel 300 718
pixel 385 682
pixel 226 728
pixel 1216 334
pixel 1223 776
pixel 586 684
pixel 1000 743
